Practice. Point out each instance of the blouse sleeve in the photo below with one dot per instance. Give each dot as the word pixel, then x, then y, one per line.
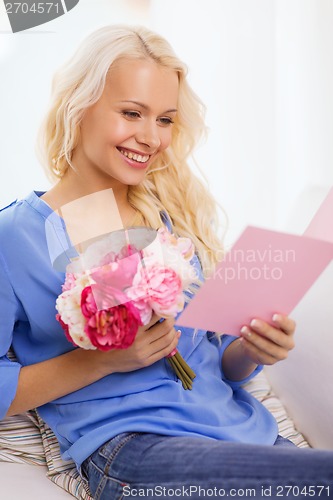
pixel 9 370
pixel 226 340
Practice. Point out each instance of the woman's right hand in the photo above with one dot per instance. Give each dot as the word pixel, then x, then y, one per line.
pixel 79 367
pixel 153 342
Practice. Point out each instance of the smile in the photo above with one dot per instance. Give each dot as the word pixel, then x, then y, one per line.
pixel 134 156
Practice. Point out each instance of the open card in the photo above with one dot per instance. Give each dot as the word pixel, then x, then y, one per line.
pixel 265 272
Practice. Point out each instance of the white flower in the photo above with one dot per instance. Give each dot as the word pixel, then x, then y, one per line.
pixel 68 305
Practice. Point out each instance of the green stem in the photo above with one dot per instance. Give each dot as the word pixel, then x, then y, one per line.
pixel 185 383
pixel 185 366
pixel 181 369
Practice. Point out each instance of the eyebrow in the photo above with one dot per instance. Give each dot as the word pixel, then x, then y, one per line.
pixel 144 106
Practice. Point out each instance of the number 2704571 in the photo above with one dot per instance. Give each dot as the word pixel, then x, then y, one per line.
pixel 35 8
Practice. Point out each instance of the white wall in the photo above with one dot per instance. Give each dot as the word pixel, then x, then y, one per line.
pixel 264 68
pixel 304 99
pixel 229 47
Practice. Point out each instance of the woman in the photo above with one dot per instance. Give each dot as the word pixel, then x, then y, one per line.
pixel 124 117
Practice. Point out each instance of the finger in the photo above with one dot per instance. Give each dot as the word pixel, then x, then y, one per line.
pixel 147 333
pixel 276 335
pixel 164 345
pixel 258 356
pixel 153 320
pixel 285 323
pixel 160 329
pixel 264 344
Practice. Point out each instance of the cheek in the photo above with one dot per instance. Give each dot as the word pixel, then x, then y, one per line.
pixel 90 130
pixel 118 131
pixel 166 138
pixel 99 127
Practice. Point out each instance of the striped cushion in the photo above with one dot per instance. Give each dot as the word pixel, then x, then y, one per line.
pixel 26 439
pixel 20 440
pixel 63 473
pixel 260 388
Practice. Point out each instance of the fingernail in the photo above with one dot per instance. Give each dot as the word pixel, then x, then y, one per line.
pixel 179 333
pixel 277 317
pixel 245 331
pixel 256 323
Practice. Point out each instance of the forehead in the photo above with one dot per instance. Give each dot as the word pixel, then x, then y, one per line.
pixel 144 81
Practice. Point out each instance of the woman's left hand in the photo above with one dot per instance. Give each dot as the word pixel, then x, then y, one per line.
pixel 266 344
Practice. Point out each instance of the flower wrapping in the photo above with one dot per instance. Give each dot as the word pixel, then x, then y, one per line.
pixel 115 286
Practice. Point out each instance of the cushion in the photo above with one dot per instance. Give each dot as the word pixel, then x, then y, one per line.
pixel 260 388
pixel 20 440
pixel 63 473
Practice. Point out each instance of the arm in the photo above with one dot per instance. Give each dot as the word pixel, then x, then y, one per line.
pixel 261 343
pixel 43 382
pixel 236 365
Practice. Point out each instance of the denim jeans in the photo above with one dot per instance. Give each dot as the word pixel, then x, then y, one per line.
pixel 140 465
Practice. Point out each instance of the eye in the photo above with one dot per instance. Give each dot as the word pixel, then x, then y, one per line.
pixel 131 114
pixel 165 120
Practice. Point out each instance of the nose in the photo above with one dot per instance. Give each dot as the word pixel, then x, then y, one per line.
pixel 149 135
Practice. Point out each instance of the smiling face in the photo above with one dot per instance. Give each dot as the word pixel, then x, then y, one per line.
pixel 129 126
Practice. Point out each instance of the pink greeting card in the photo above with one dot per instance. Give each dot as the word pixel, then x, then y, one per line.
pixel 265 272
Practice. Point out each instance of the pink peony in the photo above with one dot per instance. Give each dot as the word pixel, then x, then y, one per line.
pixel 161 289
pixel 111 328
pixel 119 274
pixel 110 257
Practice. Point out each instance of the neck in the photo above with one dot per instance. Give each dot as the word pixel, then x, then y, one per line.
pixel 73 186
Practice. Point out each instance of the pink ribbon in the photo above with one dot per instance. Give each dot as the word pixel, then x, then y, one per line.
pixel 172 353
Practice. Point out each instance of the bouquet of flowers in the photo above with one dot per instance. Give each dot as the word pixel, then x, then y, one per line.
pixel 118 282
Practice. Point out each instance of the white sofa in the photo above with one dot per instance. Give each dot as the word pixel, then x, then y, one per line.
pixel 29 482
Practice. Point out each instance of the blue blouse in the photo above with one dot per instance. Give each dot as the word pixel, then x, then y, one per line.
pixel 150 399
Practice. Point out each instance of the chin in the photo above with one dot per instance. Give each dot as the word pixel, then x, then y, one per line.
pixel 132 180
pixel 135 183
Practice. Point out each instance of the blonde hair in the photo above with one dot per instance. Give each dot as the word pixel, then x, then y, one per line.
pixel 170 185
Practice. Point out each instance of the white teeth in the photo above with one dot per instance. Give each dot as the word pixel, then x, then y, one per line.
pixel 134 156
